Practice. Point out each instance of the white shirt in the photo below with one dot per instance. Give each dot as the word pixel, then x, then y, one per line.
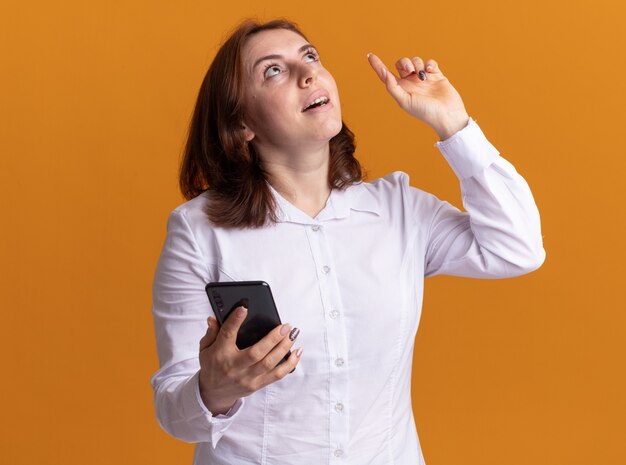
pixel 351 279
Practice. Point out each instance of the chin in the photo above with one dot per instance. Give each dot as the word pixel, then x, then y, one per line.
pixel 334 128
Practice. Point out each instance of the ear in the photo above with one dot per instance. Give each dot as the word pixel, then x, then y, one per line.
pixel 247 132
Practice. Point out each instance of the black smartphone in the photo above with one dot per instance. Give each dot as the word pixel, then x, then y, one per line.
pixel 257 297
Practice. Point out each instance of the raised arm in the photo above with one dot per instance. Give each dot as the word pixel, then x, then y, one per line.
pixel 499 235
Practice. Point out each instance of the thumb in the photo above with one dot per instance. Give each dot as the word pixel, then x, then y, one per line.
pixel 211 333
pixel 228 332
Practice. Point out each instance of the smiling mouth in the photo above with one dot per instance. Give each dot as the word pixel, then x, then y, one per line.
pixel 318 102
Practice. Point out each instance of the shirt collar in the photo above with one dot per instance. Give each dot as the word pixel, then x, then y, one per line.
pixel 340 203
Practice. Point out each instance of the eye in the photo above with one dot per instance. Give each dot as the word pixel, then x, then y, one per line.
pixel 311 55
pixel 271 70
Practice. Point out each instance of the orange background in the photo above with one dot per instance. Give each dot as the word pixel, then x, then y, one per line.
pixel 95 102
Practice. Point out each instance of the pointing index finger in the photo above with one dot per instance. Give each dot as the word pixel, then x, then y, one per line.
pixel 388 78
pixel 378 66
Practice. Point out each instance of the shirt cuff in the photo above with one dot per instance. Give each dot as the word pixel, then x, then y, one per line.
pixel 218 424
pixel 468 151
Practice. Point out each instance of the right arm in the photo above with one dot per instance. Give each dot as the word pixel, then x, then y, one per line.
pixel 202 374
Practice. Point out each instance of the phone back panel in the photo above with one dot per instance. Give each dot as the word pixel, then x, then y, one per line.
pixel 256 296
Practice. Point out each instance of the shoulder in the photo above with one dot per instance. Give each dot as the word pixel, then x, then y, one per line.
pixel 394 193
pixel 193 209
pixel 394 185
pixel 191 217
pixel 392 181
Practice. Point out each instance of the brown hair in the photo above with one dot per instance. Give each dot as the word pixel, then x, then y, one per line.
pixel 217 157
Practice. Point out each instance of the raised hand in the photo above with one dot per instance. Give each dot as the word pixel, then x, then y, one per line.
pixel 424 92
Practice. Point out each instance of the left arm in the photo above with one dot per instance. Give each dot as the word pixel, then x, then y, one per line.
pixel 500 234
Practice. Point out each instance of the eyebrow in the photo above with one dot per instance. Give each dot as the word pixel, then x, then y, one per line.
pixel 276 57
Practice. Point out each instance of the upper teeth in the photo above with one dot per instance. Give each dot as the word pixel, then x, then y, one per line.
pixel 316 101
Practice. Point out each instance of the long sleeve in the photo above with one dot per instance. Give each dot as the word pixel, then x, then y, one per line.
pixel 180 310
pixel 499 235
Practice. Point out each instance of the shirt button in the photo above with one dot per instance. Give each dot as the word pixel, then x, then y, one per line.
pixel 338 452
pixel 326 269
pixel 339 362
pixel 339 407
pixel 334 314
pixel 315 228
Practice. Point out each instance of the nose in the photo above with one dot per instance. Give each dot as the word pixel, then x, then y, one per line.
pixel 307 76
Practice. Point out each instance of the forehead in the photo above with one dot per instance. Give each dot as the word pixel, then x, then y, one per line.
pixel 271 42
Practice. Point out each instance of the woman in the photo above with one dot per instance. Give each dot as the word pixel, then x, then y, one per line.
pixel 275 195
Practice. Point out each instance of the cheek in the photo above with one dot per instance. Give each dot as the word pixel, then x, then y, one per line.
pixel 254 111
pixel 331 85
pixel 266 111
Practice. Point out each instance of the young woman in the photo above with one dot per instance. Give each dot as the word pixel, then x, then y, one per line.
pixel 275 194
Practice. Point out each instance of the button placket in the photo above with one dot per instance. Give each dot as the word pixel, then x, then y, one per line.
pixel 335 339
pixel 339 362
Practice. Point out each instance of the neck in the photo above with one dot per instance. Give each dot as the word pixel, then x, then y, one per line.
pixel 300 177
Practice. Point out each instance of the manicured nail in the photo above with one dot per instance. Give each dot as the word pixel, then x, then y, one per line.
pixel 299 352
pixel 429 68
pixel 241 311
pixel 422 74
pixel 384 74
pixel 284 329
pixel 369 54
pixel 294 334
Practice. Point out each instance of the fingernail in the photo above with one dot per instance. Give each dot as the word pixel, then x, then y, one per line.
pixel 422 74
pixel 285 329
pixel 369 54
pixel 384 74
pixel 299 352
pixel 429 68
pixel 294 334
pixel 409 68
pixel 241 311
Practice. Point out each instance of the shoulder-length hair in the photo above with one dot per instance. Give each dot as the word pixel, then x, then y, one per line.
pixel 217 157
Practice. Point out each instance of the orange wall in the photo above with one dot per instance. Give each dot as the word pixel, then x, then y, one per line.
pixel 95 99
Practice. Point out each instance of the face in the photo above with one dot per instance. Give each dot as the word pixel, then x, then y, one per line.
pixel 291 100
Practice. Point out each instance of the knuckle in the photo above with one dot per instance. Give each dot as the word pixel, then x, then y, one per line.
pixel 259 383
pixel 254 354
pixel 224 371
pixel 268 363
pixel 277 338
pixel 255 385
pixel 247 384
pixel 280 373
pixel 231 375
pixel 219 359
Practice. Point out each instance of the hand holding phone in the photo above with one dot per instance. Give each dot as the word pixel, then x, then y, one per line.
pixel 229 372
pixel 256 297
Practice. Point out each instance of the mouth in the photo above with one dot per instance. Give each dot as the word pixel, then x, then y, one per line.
pixel 317 102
